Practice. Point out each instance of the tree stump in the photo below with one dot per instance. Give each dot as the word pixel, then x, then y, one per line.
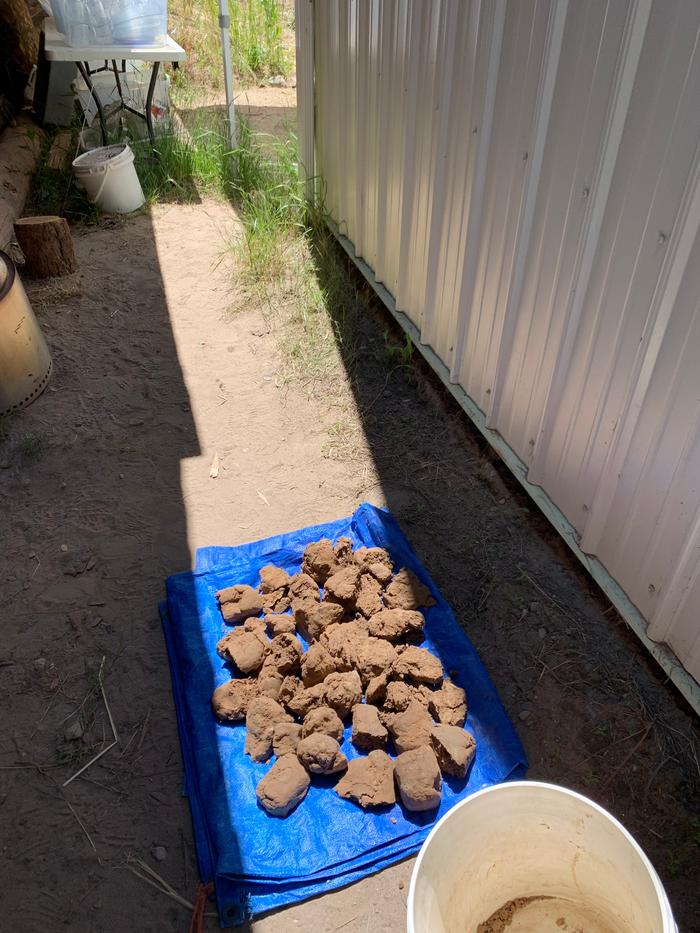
pixel 47 246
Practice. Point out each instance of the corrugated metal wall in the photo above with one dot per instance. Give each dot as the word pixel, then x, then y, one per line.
pixel 523 176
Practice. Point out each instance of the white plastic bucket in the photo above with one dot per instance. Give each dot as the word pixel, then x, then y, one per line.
pixel 109 178
pixel 577 865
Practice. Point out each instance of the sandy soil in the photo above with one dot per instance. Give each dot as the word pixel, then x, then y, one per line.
pixel 106 490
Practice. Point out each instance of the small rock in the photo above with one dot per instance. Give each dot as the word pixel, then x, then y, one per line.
pixel 524 715
pixel 418 779
pixel 239 602
pixel 343 691
pixel 284 786
pixel 41 664
pixel 325 720
pixel 64 548
pixel 369 781
pixel 455 749
pixel 74 731
pixel 159 853
pixel 277 81
pixel 321 754
pixel 412 728
pixel 367 731
pixel 542 632
pixel 401 883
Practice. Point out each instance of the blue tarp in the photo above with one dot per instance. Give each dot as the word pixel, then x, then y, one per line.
pixel 258 862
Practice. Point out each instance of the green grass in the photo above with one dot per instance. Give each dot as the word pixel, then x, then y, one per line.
pixel 32 446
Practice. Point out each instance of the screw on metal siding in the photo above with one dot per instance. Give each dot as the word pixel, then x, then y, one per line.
pixel 586 191
pixel 525 155
pixel 585 508
pixel 475 131
pixel 652 588
pixel 662 237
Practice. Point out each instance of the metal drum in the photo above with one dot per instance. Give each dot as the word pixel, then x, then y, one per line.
pixel 25 362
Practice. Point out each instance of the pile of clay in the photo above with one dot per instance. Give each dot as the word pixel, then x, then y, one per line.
pixel 362 624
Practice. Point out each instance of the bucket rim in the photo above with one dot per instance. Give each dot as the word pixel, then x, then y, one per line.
pixel 82 162
pixel 506 786
pixel 6 285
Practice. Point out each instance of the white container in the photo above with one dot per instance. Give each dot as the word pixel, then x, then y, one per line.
pixel 91 23
pixel 109 178
pixel 524 839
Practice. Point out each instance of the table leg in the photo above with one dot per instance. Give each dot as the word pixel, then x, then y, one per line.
pixel 84 70
pixel 116 78
pixel 149 101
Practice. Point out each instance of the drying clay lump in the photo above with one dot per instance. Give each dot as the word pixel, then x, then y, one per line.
pixel 418 779
pixel 304 587
pixel 270 684
pixel 284 655
pixel 343 551
pixel 369 596
pixel 394 624
pixel 321 754
pixel 367 731
pixel 399 695
pixel 448 705
pixel 277 601
pixel 273 578
pixel 343 691
pixel 342 639
pixel 369 781
pixel 376 688
pixel 342 587
pixel 407 592
pixel 246 649
pixel 262 717
pixel 280 624
pixel 285 738
pixel 419 665
pixel 325 720
pixel 316 665
pixel 319 560
pixel 305 699
pixel 372 657
pixel 411 728
pixel 313 618
pixel 455 749
pixel 284 786
pixel 239 602
pixel 366 557
pixel 230 700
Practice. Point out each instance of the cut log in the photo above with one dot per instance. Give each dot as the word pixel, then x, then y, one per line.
pixel 47 246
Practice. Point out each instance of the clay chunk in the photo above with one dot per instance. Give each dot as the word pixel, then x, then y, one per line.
pixel 419 665
pixel 277 601
pixel 280 624
pixel 304 587
pixel 305 699
pixel 325 720
pixel 230 700
pixel 407 592
pixel 343 691
pixel 369 781
pixel 316 665
pixel 263 715
pixel 394 624
pixel 454 748
pixel 284 786
pixel 321 754
pixel 448 705
pixel 366 557
pixel 319 560
pixel 411 728
pixel 367 731
pixel 246 649
pixel 270 684
pixel 375 692
pixel 418 779
pixel 285 738
pixel 344 551
pixel 343 586
pixel 400 694
pixel 369 596
pixel 239 602
pixel 273 578
pixel 373 656
pixel 313 618
pixel 342 640
pixel 284 655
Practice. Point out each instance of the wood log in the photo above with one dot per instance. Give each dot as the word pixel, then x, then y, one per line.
pixel 47 246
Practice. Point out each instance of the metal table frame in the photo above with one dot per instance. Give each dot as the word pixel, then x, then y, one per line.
pixel 86 74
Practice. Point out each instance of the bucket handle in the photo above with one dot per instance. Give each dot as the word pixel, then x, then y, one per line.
pixel 105 172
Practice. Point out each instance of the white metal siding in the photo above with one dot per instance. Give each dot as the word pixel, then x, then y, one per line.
pixel 523 176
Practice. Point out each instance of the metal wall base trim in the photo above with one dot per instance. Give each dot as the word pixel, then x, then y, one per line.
pixel 663 655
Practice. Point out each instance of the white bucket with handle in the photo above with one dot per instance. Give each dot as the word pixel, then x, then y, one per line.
pixel 527 857
pixel 109 178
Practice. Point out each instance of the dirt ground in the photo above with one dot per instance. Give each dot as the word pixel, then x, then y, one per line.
pixel 106 490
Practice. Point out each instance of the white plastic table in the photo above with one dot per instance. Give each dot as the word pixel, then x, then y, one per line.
pixel 57 49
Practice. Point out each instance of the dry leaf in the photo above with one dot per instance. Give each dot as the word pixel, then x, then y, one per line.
pixel 214 468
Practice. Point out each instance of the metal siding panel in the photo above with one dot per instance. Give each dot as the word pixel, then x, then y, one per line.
pixel 559 289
